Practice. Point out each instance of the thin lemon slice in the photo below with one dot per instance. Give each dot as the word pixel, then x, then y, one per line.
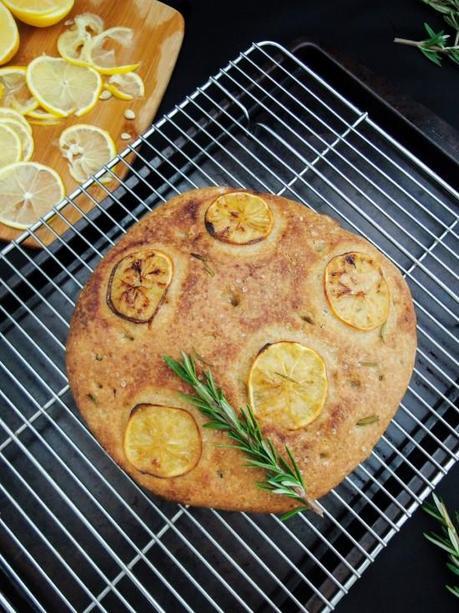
pixel 71 45
pixel 89 23
pixel 10 146
pixel 63 88
pixel 6 113
pixel 87 148
pixel 27 192
pixel 138 285
pixel 357 290
pixel 105 48
pixel 40 13
pixel 240 218
pixel 126 86
pixel 15 93
pixel 162 441
pixel 287 385
pixel 24 135
pixel 9 35
pixel 40 117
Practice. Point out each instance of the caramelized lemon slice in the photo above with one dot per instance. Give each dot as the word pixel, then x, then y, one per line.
pixel 162 441
pixel 287 385
pixel 357 291
pixel 138 284
pixel 239 218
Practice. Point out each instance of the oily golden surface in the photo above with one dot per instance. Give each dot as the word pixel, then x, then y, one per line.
pixel 226 305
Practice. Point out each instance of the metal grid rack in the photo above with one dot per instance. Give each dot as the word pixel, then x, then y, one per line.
pixel 76 532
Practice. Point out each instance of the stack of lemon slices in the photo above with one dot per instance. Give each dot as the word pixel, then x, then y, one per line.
pixel 49 90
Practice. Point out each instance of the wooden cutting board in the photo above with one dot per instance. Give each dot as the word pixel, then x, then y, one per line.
pixel 158 34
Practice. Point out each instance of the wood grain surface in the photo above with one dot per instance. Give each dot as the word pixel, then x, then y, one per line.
pixel 158 34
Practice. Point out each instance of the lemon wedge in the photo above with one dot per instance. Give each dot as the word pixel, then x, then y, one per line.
pixel 40 13
pixel 24 135
pixel 14 91
pixel 126 86
pixel 27 192
pixel 239 218
pixel 102 50
pixel 357 290
pixel 87 148
pixel 9 35
pixel 63 88
pixel 138 284
pixel 6 113
pixel 162 441
pixel 10 146
pixel 287 385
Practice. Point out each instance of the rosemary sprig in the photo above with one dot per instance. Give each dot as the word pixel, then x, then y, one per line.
pixel 448 540
pixel 283 475
pixel 436 45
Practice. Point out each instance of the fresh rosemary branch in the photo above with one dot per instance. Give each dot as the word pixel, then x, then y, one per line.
pixel 283 476
pixel 448 540
pixel 436 45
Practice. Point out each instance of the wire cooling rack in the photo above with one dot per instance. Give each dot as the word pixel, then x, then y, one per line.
pixel 76 532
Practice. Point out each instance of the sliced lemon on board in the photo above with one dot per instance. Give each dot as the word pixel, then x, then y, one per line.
pixel 63 88
pixel 40 13
pixel 15 93
pixel 240 218
pixel 126 86
pixel 9 35
pixel 87 148
pixel 138 284
pixel 6 113
pixel 162 441
pixel 72 46
pixel 10 146
pixel 40 117
pixel 27 192
pixel 89 23
pixel 24 135
pixel 287 385
pixel 357 290
pixel 103 50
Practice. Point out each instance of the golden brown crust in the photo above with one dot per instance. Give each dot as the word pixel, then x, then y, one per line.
pixel 260 293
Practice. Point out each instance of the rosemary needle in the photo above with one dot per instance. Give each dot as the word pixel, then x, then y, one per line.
pixel 437 44
pixel 448 540
pixel 282 474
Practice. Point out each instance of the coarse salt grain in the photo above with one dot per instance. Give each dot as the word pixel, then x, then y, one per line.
pixel 105 95
pixel 125 136
pixel 129 114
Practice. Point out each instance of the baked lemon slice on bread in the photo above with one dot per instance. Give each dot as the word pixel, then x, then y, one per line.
pixel 162 441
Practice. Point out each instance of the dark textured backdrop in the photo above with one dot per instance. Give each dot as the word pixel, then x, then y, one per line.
pixel 409 574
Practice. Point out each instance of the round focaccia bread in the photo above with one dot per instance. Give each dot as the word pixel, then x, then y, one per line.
pixel 304 320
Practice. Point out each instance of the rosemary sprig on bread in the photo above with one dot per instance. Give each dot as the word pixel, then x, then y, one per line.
pixel 282 474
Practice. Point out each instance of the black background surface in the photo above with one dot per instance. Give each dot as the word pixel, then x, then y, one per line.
pixel 410 573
